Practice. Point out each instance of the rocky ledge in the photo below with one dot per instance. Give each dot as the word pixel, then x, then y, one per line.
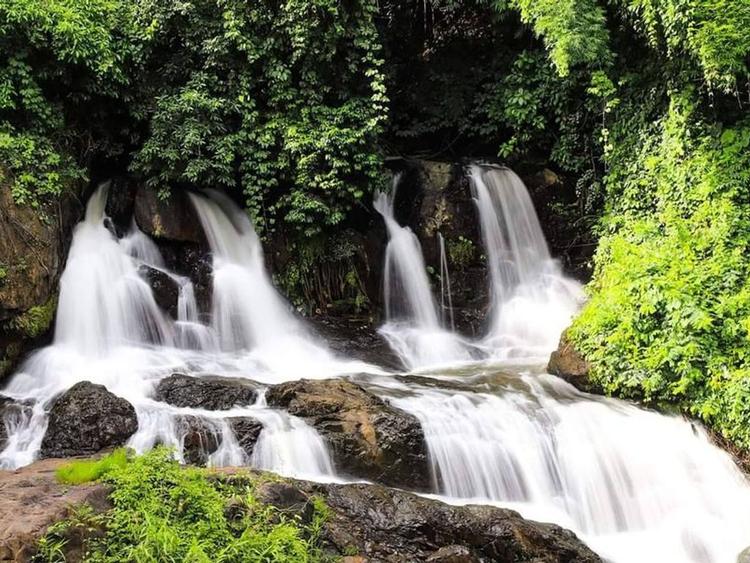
pixel 376 523
pixel 368 437
pixel 568 363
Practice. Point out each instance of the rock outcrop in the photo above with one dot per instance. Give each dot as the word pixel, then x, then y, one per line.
pixel 246 431
pixel 164 288
pixel 365 523
pixel 199 439
pixel 33 244
pixel 209 392
pixel 368 437
pixel 86 419
pixel 31 500
pixel 172 218
pixel 388 525
pixel 566 362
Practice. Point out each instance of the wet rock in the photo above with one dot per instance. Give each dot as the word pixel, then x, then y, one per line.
pixel 391 525
pixel 12 413
pixel 33 244
pixel 566 362
pixel 165 288
pixel 86 419
pixel 172 218
pixel 354 337
pixel 199 437
pixel 121 203
pixel 368 437
pixel 247 431
pixel 288 499
pixel 453 554
pixel 209 392
pixel 192 261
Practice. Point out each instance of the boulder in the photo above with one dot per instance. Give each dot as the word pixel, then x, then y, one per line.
pixel 172 218
pixel 566 362
pixel 86 419
pixel 389 525
pixel 121 203
pixel 164 287
pixel 192 261
pixel 368 437
pixel 210 392
pixel 247 431
pixel 199 437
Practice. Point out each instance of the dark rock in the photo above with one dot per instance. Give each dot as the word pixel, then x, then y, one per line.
pixel 247 431
pixel 165 288
pixel 199 439
pixel 210 392
pixel 120 204
pixel 12 413
pixel 453 554
pixel 86 419
pixel 355 337
pixel 288 499
pixel 390 525
pixel 172 218
pixel 192 261
pixel 566 362
pixel 368 437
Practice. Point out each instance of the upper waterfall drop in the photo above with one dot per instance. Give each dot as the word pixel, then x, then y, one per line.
pixel 413 325
pixel 251 319
pixel 532 301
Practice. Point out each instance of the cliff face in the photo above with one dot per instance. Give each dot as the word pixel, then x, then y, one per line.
pixel 34 242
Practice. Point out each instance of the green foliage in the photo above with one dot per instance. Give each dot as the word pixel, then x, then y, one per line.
pixel 163 512
pixel 85 471
pixel 574 31
pixel 282 101
pixel 669 315
pixel 56 56
pixel 36 321
pixel 461 252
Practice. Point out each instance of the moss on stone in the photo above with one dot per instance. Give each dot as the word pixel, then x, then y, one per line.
pixel 37 320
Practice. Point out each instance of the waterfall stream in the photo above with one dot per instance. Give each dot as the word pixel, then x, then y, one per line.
pixel 634 484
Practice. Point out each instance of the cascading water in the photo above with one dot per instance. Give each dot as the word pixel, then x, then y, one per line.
pixel 110 331
pixel 446 299
pixel 636 485
pixel 532 301
pixel 413 325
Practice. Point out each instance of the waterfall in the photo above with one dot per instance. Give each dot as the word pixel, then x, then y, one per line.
pixel 249 316
pixel 446 299
pixel 636 485
pixel 103 302
pixel 109 330
pixel 532 301
pixel 413 326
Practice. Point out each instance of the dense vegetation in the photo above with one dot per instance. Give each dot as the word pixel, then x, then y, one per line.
pixel 162 512
pixel 639 105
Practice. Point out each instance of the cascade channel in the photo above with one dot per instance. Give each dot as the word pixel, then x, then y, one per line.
pixel 634 484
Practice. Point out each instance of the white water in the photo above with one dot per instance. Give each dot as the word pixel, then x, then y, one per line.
pixel 635 485
pixel 413 327
pixel 446 299
pixel 532 300
pixel 110 331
